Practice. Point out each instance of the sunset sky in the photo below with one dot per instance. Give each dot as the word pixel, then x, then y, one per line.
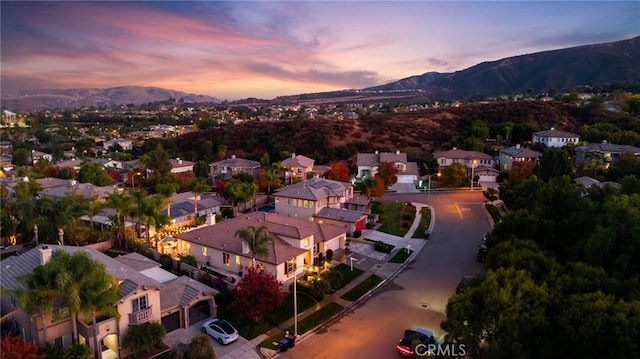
pixel 264 49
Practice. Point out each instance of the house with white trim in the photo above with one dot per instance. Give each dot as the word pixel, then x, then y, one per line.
pixel 368 165
pixel 555 138
pixel 509 155
pixel 477 163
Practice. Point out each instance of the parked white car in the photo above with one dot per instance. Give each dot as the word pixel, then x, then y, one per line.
pixel 220 330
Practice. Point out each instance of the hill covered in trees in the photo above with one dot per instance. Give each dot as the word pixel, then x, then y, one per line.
pixel 418 133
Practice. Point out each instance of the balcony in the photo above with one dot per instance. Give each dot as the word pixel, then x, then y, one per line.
pixel 141 317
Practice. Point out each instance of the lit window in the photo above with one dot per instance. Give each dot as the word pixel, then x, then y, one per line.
pixel 204 251
pixel 306 242
pixel 186 247
pixel 226 258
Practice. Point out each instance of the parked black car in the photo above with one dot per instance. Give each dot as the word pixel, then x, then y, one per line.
pixel 482 253
pixel 425 337
pixel 463 283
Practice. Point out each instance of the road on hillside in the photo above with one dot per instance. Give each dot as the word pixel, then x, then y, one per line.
pixel 418 296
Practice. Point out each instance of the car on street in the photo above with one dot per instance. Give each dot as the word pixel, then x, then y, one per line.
pixel 482 253
pixel 220 330
pixel 424 336
pixel 464 282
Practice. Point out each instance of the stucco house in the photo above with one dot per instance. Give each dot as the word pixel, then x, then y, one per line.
pixel 146 294
pixel 555 138
pixel 124 143
pixel 229 167
pixel 350 220
pixel 296 243
pixel 179 165
pixel 609 152
pixel 509 155
pixel 298 166
pixel 478 164
pixel 368 165
pixel 305 199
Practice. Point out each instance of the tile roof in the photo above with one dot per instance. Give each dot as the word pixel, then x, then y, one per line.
pixel 462 154
pixel 609 148
pixel 555 133
pixel 313 189
pixel 221 236
pixel 372 159
pixel 521 152
pixel 182 291
pixel 298 161
pixel 339 214
pixel 362 201
pixel 237 162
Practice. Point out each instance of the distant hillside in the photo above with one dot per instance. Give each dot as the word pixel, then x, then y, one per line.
pixel 591 65
pixel 73 98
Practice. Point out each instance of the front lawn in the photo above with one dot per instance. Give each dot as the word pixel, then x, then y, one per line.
pixel 250 329
pixel 321 316
pixel 362 288
pixel 396 217
pixel 347 275
pixel 401 256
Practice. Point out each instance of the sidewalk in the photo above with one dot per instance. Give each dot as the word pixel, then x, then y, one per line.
pixel 371 262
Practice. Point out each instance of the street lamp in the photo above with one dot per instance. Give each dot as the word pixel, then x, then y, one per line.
pixel 295 302
pixel 133 180
pixel 473 167
pixel 429 185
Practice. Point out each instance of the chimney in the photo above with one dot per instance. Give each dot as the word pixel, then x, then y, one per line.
pixel 211 219
pixel 552 128
pixel 45 254
pixel 517 146
pixel 245 248
pixel 397 152
pixel 455 148
pixel 179 160
pixel 376 152
pixel 293 155
pixel 73 182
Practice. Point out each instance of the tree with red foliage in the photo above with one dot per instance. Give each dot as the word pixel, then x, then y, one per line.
pixel 338 172
pixel 220 187
pixel 521 170
pixel 257 294
pixel 373 187
pixel 115 175
pixel 388 173
pixel 13 347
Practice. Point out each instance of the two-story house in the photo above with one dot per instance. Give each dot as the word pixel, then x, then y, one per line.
pixel 368 165
pixel 555 138
pixel 305 199
pixel 125 144
pixel 146 294
pixel 229 167
pixel 296 242
pixel 298 166
pixel 179 165
pixel 478 164
pixel 509 155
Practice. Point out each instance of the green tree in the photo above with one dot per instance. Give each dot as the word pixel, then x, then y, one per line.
pixel 388 173
pixel 37 295
pixel 122 203
pixel 454 175
pixel 554 162
pixel 93 173
pixel 21 157
pixel 201 169
pixel 150 213
pixel 158 163
pixel 236 192
pixel 144 337
pixel 200 347
pixel 257 239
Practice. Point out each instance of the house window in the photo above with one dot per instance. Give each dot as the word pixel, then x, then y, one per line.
pixel 226 258
pixel 306 242
pixel 139 304
pixel 306 204
pixel 204 251
pixel 290 266
pixel 186 247
pixel 443 161
pixel 288 201
pixel 61 314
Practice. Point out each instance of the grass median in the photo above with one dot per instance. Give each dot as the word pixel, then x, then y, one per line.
pixel 401 256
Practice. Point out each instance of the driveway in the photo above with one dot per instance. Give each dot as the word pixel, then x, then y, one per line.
pixel 240 349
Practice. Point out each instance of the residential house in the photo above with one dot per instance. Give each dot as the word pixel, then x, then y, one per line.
pixel 5 147
pixel 87 191
pixel 368 165
pixel 181 166
pixel 37 155
pixel 587 182
pixel 181 210
pixel 305 199
pixel 228 168
pixel 478 164
pixel 5 162
pixel 71 164
pixel 555 138
pixel 125 144
pixel 609 152
pixel 296 243
pixel 108 164
pixel 298 166
pixel 509 155
pixel 350 220
pixel 146 294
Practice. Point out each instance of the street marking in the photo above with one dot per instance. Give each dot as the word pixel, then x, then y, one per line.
pixel 459 211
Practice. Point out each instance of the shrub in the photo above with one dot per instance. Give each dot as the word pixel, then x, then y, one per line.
pixel 369 225
pixel 166 262
pixel 383 247
pixel 357 233
pixel 329 255
pixel 190 260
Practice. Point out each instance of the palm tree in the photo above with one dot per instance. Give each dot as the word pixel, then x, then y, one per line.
pixel 98 294
pixel 150 212
pixel 39 294
pixel 197 186
pixel 122 204
pixel 256 238
pixel 136 212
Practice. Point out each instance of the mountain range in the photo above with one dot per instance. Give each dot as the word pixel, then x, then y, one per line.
pixel 563 70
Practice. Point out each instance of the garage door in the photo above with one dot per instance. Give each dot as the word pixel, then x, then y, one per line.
pixel 405 179
pixel 171 322
pixel 199 312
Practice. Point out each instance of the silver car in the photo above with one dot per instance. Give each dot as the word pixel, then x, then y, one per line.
pixel 220 330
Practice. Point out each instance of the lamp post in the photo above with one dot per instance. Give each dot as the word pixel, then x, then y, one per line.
pixel 295 302
pixel 429 186
pixel 61 234
pixel 133 180
pixel 473 167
